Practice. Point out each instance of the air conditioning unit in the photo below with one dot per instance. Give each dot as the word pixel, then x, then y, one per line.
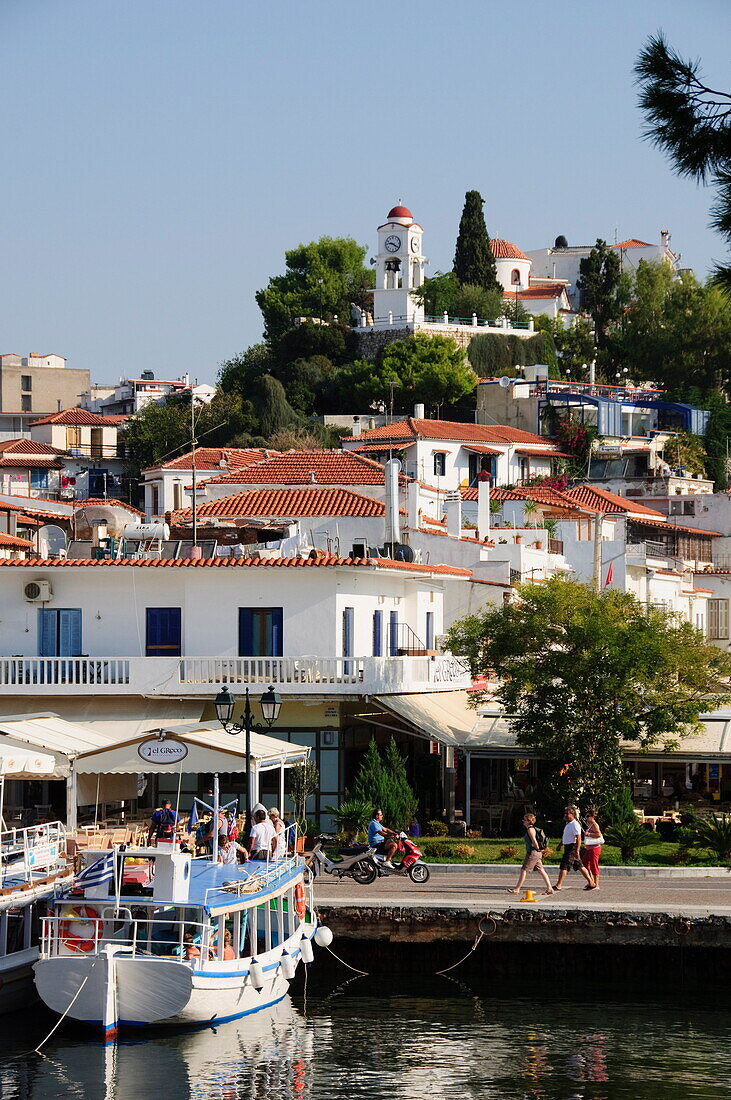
pixel 38 591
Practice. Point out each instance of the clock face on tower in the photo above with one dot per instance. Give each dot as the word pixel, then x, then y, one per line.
pixel 393 243
pixel 414 244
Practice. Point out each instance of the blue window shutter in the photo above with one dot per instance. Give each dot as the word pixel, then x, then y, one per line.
pixel 393 634
pixel 277 631
pixel 69 632
pixel 377 633
pixel 430 630
pixel 348 617
pixel 246 624
pixel 47 621
pixel 163 632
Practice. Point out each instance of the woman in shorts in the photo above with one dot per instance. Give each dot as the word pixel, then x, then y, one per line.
pixel 533 857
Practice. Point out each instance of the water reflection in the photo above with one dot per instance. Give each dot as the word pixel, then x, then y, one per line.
pixel 368 1042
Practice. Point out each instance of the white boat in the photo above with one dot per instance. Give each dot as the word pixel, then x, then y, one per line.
pixel 136 955
pixel 32 869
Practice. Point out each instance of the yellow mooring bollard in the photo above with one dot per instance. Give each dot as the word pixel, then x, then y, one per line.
pixel 529 895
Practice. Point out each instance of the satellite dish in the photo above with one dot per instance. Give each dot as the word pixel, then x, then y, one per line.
pixel 51 540
pixel 505 382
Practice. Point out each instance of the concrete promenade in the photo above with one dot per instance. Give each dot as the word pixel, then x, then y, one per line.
pixel 699 894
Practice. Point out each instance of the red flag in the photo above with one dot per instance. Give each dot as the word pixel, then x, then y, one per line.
pixel 610 574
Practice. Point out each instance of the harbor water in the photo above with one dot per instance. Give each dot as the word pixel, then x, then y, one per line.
pixel 386 1041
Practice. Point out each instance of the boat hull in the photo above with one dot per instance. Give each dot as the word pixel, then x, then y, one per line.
pixel 157 992
pixel 16 980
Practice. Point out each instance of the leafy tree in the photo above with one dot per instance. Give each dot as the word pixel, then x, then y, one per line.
pixel 599 281
pixel 491 356
pixel 474 263
pixel 431 369
pixel 573 347
pixel 444 293
pixel 304 781
pixel 162 431
pixel 381 780
pixel 691 123
pixel 306 340
pixel 583 672
pixel 272 408
pixel 239 374
pixel 321 280
pixel 364 385
pixel 307 383
pixel 686 449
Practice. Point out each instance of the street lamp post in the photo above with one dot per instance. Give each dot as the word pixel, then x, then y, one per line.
pixel 225 706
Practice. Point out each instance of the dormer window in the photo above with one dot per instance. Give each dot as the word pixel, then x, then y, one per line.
pixel 515 277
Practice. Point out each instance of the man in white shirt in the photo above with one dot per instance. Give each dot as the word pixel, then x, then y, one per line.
pixel 571 841
pixel 262 837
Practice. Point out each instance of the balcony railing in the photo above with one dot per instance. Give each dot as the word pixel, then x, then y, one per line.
pixel 204 676
pixel 640 551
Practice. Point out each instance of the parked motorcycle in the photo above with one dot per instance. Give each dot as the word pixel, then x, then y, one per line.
pixel 360 865
pixel 411 863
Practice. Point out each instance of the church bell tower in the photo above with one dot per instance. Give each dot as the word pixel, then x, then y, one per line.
pixel 399 270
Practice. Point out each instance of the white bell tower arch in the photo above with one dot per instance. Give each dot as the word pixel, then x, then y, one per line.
pixel 399 270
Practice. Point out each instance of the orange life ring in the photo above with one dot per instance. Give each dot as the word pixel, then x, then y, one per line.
pixel 76 938
pixel 299 901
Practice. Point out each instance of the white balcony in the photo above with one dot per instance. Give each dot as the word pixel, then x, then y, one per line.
pixel 191 677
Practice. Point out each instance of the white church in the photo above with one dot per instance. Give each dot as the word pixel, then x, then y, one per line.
pixel 399 266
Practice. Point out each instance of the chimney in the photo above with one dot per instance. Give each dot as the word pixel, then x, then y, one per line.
pixel 483 509
pixel 418 412
pixel 413 494
pixel 665 237
pixel 356 426
pixel 313 478
pixel 393 530
pixel 453 510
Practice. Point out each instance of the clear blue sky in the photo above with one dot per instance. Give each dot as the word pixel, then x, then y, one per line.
pixel 161 155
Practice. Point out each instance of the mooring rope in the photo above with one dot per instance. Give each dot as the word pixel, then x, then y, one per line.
pixel 70 1006
pixel 481 933
pixel 353 968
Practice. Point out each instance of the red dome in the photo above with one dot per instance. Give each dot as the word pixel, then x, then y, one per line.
pixel 506 250
pixel 400 212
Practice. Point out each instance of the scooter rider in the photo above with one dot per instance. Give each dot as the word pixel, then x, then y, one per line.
pixel 377 838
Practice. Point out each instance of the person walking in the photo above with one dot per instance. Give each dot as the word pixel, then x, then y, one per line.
pixel 593 841
pixel 535 844
pixel 571 841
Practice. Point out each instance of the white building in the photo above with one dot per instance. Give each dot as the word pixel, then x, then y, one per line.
pixel 561 263
pixel 168 485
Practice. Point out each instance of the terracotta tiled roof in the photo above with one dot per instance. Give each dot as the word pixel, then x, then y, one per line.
pixel 295 467
pixel 287 503
pixel 237 563
pixel 669 525
pixel 111 501
pixel 14 541
pixel 27 462
pixel 215 458
pixel 28 447
pixel 601 500
pixel 632 242
pixel 408 430
pixel 506 250
pixel 75 416
pixel 540 291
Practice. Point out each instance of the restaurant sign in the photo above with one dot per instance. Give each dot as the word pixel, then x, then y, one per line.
pixel 162 750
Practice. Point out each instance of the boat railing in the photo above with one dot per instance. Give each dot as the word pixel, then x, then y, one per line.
pixel 262 876
pixel 87 931
pixel 27 852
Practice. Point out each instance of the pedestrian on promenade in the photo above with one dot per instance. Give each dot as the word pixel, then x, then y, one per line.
pixel 535 844
pixel 571 841
pixel 593 841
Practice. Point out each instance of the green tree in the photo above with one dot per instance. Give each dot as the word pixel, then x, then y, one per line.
pixel 474 263
pixel 364 385
pixel 272 409
pixel 163 431
pixel 238 375
pixel 444 293
pixel 691 123
pixel 431 369
pixel 600 283
pixel 582 672
pixel 306 340
pixel 382 781
pixel 574 347
pixel 321 280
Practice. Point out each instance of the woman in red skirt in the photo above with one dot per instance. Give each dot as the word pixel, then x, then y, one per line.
pixel 592 849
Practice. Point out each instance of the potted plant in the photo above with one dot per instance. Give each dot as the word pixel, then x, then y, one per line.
pixel 304 781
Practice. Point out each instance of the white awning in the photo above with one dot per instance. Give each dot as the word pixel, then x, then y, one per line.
pixel 53 735
pixel 26 763
pixel 443 716
pixel 208 749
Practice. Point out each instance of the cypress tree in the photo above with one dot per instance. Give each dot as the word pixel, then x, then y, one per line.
pixel 474 262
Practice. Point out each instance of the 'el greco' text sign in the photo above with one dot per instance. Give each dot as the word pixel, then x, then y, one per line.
pixel 162 751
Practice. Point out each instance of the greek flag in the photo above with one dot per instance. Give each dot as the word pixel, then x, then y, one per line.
pixel 97 873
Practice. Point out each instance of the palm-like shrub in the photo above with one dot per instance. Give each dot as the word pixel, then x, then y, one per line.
pixel 628 836
pixel 713 833
pixel 352 815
